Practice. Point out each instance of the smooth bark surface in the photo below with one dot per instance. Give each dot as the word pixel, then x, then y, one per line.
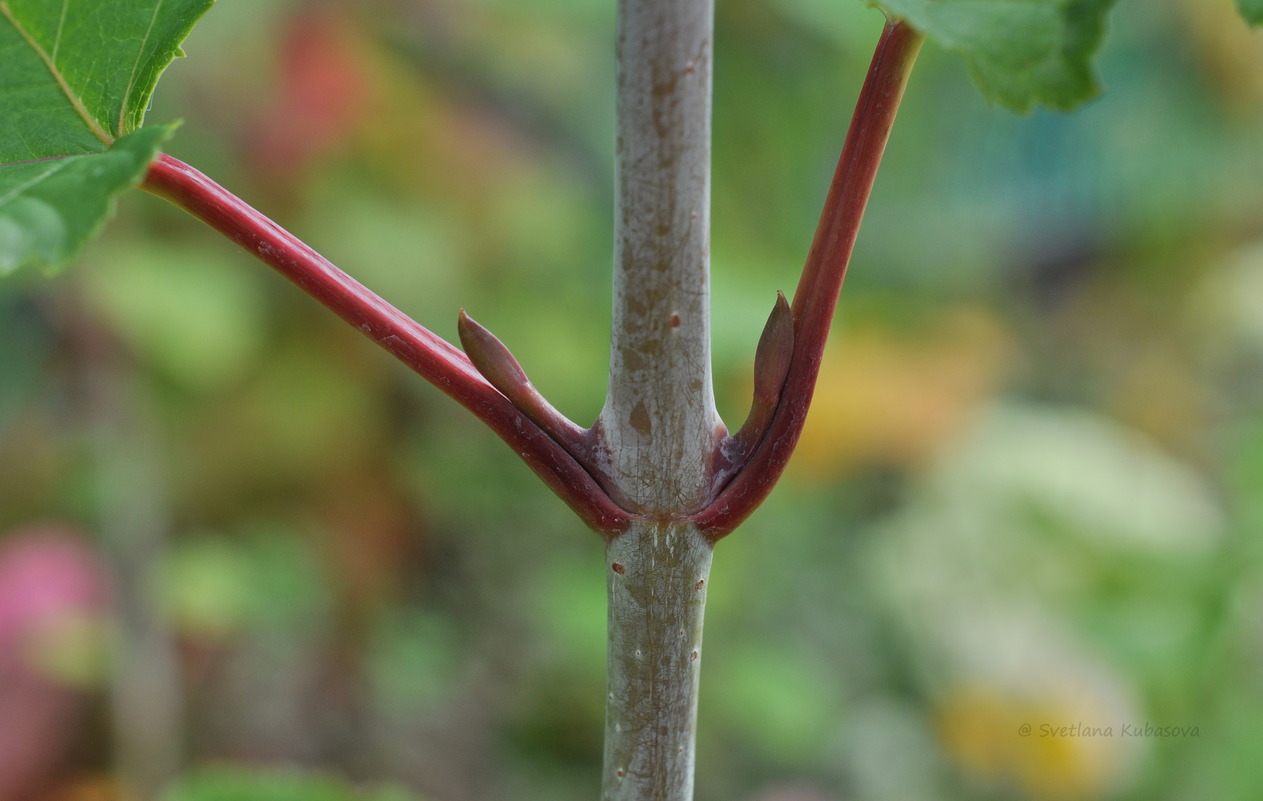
pixel 656 436
pixel 659 425
pixel 657 574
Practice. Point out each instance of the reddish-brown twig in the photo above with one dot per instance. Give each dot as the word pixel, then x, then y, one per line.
pixel 436 360
pixel 821 281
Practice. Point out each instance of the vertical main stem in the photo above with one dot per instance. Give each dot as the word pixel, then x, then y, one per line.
pixel 659 425
pixel 659 428
pixel 659 422
pixel 657 573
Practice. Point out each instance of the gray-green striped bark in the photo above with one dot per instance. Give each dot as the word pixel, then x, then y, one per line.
pixel 657 574
pixel 659 426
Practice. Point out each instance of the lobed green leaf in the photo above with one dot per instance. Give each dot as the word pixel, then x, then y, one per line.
pixel 1020 52
pixel 76 77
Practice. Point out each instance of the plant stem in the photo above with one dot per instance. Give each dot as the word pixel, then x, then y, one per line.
pixel 439 362
pixel 646 474
pixel 657 574
pixel 656 436
pixel 659 426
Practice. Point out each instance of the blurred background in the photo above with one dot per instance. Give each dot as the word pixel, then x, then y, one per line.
pixel 1030 493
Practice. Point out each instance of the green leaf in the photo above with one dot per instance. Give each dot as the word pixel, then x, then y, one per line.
pixel 1252 10
pixel 75 80
pixel 79 73
pixel 1020 52
pixel 50 208
pixel 242 785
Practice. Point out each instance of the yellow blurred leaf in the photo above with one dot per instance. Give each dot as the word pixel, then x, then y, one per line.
pixel 1047 745
pixel 891 399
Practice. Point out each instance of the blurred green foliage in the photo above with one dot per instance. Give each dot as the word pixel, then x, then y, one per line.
pixel 228 785
pixel 1028 493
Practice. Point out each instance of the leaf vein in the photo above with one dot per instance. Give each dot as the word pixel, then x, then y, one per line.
pixel 74 99
pixel 131 78
pixel 20 188
pixel 61 22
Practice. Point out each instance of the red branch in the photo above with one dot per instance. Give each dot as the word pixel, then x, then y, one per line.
pixel 821 281
pixel 437 361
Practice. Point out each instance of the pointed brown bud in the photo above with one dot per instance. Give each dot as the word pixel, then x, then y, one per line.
pixel 492 359
pixel 772 358
pixel 503 372
pixel 774 353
